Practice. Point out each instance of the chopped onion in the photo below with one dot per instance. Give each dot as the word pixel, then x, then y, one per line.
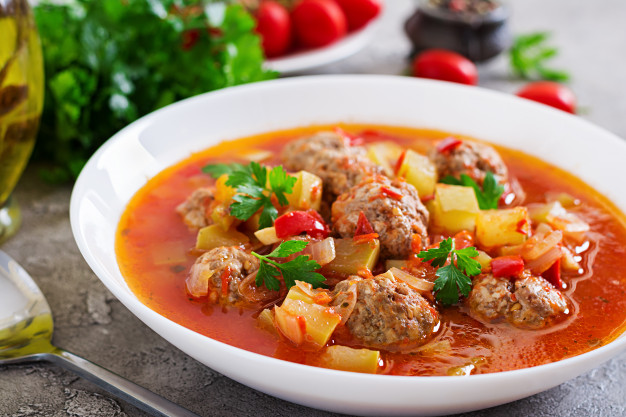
pixel 347 306
pixel 306 288
pixel 545 261
pixel 322 252
pixel 537 246
pixel 418 284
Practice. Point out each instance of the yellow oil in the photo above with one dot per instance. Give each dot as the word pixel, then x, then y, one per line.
pixel 21 91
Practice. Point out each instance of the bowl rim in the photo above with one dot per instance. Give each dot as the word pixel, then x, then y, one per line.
pixel 590 359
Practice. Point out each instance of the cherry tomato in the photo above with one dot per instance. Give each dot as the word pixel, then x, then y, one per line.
pixel 318 22
pixel 274 26
pixel 359 12
pixel 296 222
pixel 550 93
pixel 440 64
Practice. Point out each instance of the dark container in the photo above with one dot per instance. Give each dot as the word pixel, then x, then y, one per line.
pixel 478 36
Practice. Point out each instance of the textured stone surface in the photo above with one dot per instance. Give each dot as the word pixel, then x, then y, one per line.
pixel 92 323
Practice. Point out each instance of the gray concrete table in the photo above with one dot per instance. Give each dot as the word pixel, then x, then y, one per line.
pixel 91 322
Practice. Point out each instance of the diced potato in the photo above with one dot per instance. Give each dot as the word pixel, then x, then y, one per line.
pixel 502 227
pixel 352 257
pixel 266 320
pixel 454 208
pixel 395 263
pixel 267 236
pixel 307 192
pixel 296 294
pixel 221 217
pixel 484 260
pixel 214 236
pixel 223 192
pixel 384 154
pixel 344 358
pixel 419 171
pixel 566 200
pixel 320 321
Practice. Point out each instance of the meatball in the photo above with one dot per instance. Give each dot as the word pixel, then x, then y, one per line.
pixel 388 314
pixel 197 208
pixel 225 264
pixel 471 158
pixel 530 302
pixel 393 208
pixel 328 156
pixel 538 303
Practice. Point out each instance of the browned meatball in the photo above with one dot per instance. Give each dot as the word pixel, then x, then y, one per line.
pixel 393 208
pixel 229 264
pixel 327 155
pixel 531 302
pixel 388 314
pixel 471 158
pixel 197 208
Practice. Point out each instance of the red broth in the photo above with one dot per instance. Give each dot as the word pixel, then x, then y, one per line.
pixel 153 248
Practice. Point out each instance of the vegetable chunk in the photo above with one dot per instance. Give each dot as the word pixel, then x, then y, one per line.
pixel 454 208
pixel 344 358
pixel 502 227
pixel 419 171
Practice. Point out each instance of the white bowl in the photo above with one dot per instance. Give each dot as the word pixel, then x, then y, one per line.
pixel 164 137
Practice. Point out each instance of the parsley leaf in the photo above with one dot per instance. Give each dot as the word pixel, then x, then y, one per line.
pixel 528 57
pixel 455 276
pixel 302 268
pixel 254 190
pixel 108 62
pixel 488 196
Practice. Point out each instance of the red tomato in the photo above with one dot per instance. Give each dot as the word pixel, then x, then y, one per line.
pixel 318 22
pixel 274 26
pixel 550 93
pixel 359 12
pixel 296 222
pixel 440 64
pixel 507 266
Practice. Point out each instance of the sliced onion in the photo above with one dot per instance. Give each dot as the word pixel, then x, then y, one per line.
pixel 420 285
pixel 346 308
pixel 322 252
pixel 537 247
pixel 306 288
pixel 198 280
pixel 252 293
pixel 545 261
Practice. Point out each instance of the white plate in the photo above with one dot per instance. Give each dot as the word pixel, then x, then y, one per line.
pixel 141 150
pixel 313 58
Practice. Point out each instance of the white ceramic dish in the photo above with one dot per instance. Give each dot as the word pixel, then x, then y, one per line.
pixel 314 58
pixel 162 138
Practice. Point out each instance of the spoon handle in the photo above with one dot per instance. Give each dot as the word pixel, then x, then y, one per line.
pixel 116 385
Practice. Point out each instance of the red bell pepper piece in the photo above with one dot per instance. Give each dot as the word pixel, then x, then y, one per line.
pixel 391 193
pixel 553 274
pixel 296 222
pixel 399 162
pixel 507 266
pixel 448 144
pixel 363 226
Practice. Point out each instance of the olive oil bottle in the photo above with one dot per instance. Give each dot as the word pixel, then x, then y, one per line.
pixel 21 102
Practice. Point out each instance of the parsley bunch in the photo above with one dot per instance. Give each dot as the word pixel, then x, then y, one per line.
pixel 455 276
pixel 528 57
pixel 301 268
pixel 109 62
pixel 255 185
pixel 487 196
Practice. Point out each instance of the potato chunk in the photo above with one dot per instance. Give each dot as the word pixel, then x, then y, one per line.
pixel 319 321
pixel 454 208
pixel 344 358
pixel 419 171
pixel 215 236
pixel 307 192
pixel 502 227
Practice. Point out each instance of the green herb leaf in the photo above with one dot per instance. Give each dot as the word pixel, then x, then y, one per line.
pixel 528 57
pixel 254 190
pixel 301 268
pixel 487 196
pixel 108 62
pixel 455 276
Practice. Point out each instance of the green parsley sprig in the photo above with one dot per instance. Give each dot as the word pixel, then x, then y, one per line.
pixel 528 57
pixel 301 268
pixel 255 185
pixel 455 276
pixel 487 196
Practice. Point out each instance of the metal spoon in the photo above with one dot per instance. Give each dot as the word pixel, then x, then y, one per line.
pixel 26 332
